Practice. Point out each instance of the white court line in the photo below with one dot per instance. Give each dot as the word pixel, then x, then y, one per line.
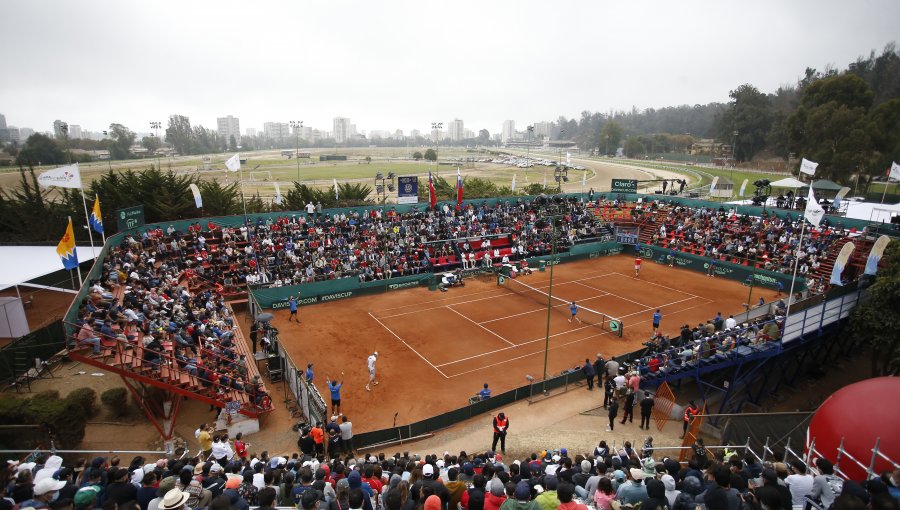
pixel 659 285
pixel 480 326
pixel 513 346
pixel 541 351
pixel 434 301
pixel 570 331
pixel 499 295
pixel 523 313
pixel 408 346
pixel 615 295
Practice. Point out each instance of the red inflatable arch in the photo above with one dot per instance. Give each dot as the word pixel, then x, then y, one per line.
pixel 860 414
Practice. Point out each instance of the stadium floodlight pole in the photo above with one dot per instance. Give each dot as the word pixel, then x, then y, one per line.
pixel 553 246
pixel 752 281
pixel 734 135
pixel 528 131
pixel 787 312
pixel 436 131
pixel 297 126
pixel 154 125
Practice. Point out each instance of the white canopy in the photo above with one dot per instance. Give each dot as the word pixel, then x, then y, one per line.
pixel 22 263
pixel 788 182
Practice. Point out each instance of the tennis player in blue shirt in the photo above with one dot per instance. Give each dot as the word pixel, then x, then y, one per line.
pixel 574 309
pixel 485 393
pixel 335 388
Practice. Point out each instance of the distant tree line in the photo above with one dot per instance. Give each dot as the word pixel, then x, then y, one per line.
pixel 29 213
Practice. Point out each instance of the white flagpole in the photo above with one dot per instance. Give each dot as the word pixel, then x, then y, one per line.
pixel 886 184
pixel 787 312
pixel 87 218
pixel 101 223
pixel 75 248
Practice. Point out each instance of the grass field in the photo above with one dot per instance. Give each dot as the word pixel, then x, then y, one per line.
pixel 263 167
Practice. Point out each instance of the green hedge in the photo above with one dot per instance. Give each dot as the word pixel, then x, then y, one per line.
pixel 116 399
pixel 65 418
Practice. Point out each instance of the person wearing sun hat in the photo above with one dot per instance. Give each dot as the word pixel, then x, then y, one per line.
pixel 173 500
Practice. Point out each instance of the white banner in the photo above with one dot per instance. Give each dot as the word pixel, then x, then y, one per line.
pixel 895 171
pixel 712 185
pixel 808 167
pixel 336 197
pixel 513 187
pixel 840 196
pixel 198 200
pixel 277 194
pixel 568 158
pixel 743 187
pixel 584 178
pixel 814 211
pixel 61 177
pixel 234 163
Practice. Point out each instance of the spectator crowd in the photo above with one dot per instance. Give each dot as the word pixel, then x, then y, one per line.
pixel 768 241
pixel 606 478
pixel 370 244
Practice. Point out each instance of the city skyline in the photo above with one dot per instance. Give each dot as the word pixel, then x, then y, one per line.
pixel 606 60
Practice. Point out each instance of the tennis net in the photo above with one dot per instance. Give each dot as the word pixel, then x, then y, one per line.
pixel 560 305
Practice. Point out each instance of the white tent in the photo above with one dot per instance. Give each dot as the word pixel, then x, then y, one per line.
pixel 22 263
pixel 788 182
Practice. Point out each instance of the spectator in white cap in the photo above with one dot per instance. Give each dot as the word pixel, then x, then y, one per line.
pixel 45 492
pixel 53 463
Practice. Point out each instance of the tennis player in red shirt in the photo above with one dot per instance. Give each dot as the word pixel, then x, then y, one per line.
pixel 637 267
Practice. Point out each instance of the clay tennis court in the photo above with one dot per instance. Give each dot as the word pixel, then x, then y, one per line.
pixel 436 349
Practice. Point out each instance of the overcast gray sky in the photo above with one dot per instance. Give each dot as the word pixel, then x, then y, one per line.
pixel 390 65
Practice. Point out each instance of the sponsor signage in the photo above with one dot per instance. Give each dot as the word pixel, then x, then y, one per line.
pixel 624 185
pixel 405 285
pixel 626 238
pixel 339 295
pixel 408 189
pixel 233 407
pixel 762 279
pixel 285 303
pixel 130 217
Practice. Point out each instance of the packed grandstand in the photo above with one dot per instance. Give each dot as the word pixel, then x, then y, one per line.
pixel 160 308
pixel 224 475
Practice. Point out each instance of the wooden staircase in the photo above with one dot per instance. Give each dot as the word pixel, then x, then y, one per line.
pixel 856 264
pixel 127 360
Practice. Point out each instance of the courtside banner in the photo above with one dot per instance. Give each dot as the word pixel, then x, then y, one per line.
pixel 721 268
pixel 841 262
pixel 408 189
pixel 277 298
pixel 876 254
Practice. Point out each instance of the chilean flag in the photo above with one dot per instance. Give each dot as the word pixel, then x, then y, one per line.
pixel 432 196
pixel 459 187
